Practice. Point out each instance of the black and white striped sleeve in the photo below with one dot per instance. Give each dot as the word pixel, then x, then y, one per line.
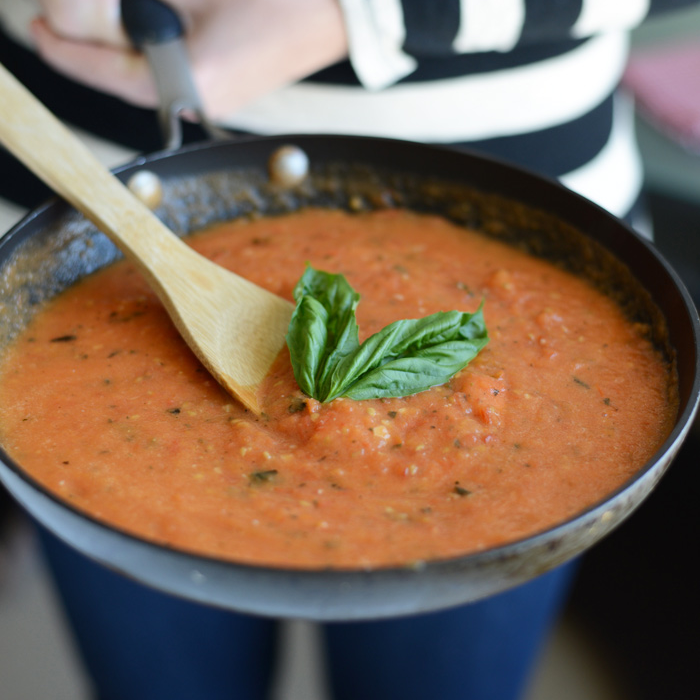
pixel 389 37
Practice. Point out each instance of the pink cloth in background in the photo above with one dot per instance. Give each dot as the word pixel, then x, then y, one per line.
pixel 665 82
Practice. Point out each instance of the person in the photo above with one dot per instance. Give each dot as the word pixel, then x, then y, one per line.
pixel 530 81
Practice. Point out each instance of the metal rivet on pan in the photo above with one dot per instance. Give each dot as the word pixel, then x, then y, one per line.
pixel 146 185
pixel 288 166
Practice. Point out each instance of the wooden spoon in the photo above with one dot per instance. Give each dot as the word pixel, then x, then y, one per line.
pixel 235 328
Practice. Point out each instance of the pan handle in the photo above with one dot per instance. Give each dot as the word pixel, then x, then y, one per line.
pixel 150 22
pixel 156 29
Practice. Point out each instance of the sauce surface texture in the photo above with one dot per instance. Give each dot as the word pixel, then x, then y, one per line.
pixel 101 401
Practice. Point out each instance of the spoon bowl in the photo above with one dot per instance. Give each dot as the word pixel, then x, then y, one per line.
pixel 235 328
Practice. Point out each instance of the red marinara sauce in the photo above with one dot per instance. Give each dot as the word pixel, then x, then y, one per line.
pixel 102 402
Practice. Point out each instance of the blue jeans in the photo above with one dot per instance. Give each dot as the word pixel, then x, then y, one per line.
pixel 140 644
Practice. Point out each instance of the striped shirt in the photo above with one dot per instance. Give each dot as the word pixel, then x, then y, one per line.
pixel 533 82
pixel 530 81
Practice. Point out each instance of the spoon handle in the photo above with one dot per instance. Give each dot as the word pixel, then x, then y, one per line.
pixel 235 327
pixel 58 157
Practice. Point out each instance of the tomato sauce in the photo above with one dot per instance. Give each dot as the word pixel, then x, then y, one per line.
pixel 101 401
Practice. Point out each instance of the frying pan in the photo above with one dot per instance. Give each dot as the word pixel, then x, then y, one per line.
pixel 53 247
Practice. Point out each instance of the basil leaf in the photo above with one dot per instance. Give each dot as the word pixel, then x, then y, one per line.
pixel 410 375
pixel 307 339
pixel 411 356
pixel 404 358
pixel 323 328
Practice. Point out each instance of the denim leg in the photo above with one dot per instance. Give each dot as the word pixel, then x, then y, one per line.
pixel 140 644
pixel 481 651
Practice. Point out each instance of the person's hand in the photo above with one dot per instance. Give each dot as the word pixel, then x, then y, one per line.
pixel 239 49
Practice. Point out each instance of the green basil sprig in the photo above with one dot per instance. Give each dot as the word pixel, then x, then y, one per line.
pixel 404 358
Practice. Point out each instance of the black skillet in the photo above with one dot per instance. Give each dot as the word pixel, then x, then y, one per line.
pixel 53 246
